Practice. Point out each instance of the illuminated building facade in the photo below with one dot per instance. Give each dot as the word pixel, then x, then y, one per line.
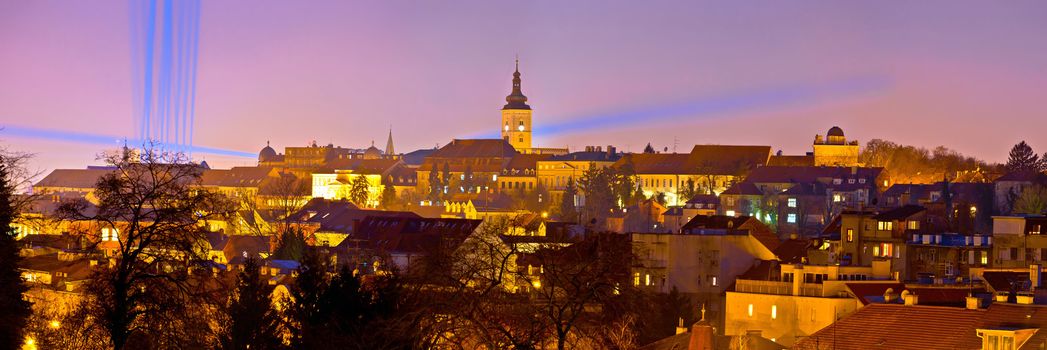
pixel 835 150
pixel 516 121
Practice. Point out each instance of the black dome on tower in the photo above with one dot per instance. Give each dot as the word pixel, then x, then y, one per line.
pixel 516 99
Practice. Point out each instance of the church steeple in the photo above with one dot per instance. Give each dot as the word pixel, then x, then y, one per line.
pixel 389 144
pixel 516 99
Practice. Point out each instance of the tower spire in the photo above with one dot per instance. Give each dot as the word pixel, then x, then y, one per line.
pixel 389 143
pixel 516 99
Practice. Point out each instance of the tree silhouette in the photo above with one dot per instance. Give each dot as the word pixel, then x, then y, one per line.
pixel 1022 159
pixel 16 310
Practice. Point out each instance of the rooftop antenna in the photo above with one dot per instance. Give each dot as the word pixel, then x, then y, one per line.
pixel 676 142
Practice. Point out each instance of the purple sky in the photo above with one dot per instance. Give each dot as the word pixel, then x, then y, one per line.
pixel 972 76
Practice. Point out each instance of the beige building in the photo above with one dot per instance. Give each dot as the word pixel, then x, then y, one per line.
pixel 800 300
pixel 1018 241
pixel 835 150
pixel 710 168
pixel 703 260
pixel 554 173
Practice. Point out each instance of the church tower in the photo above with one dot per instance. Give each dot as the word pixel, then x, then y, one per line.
pixel 516 117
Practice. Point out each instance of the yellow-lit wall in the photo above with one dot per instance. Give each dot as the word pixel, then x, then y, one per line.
pixel 836 155
pixel 512 119
pixel 795 316
pixel 337 186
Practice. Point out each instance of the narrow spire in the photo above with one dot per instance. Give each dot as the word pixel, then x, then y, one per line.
pixel 389 143
pixel 516 99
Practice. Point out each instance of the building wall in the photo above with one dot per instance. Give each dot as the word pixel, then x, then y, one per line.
pixel 784 318
pixel 516 127
pixel 836 155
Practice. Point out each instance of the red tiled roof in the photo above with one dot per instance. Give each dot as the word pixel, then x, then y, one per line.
pixel 73 178
pixel 792 251
pixel 795 174
pixel 791 161
pixel 887 326
pixel 867 291
pixel 703 159
pixel 474 148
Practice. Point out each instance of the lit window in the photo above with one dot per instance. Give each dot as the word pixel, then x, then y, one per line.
pixel 850 235
pixel 714 281
pixel 647 279
pixel 985 258
pixel 774 312
pixel 861 181
pixel 506 126
pixel 791 218
pixel 914 225
pixel 837 198
pixel 636 278
pixel 750 310
pixel 729 213
pixel 792 202
pixel 886 225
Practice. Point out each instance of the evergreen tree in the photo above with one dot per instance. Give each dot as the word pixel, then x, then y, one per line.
pixel 291 245
pixel 568 212
pixel 14 309
pixel 435 186
pixel 359 191
pixel 254 324
pixel 446 176
pixel 1022 159
pixel 467 179
pixel 389 200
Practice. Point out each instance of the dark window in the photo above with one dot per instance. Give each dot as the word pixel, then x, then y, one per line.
pixel 1014 253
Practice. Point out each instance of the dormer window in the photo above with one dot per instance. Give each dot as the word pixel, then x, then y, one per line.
pixel 850 181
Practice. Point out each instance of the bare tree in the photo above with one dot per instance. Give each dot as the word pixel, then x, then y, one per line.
pixel 153 207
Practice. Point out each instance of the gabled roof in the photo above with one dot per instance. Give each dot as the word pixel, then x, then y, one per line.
pixel 340 216
pixel 891 326
pixel 870 292
pixel 362 166
pixel 523 162
pixel 703 159
pixel 1003 281
pixel 416 158
pixel 237 245
pixel 73 178
pixel 704 199
pixel 900 213
pixel 792 251
pixel 236 177
pixel 413 235
pixel 728 224
pixel 74 269
pixel 728 159
pixel 475 148
pixel 798 174
pixel 776 160
pixel 1024 176
pixel 743 189
pixel 586 156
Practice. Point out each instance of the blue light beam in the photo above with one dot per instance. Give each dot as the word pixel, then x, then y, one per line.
pixel 708 108
pixel 107 140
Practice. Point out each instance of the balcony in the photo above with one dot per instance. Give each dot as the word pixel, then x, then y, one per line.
pixel 778 288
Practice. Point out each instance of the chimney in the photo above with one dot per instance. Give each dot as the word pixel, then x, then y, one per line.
pixel 798 279
pixel 911 299
pixel 1024 298
pixel 973 302
pixel 888 296
pixel 702 334
pixel 680 328
pixel 1036 276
